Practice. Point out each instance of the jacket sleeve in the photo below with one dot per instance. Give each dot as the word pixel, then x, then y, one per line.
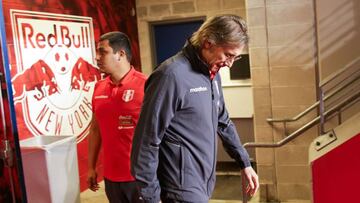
pixel 158 109
pixel 229 136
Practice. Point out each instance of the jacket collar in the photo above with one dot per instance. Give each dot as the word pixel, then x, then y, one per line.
pixel 192 54
pixel 127 78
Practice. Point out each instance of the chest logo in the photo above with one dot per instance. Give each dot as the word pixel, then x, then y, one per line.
pixel 198 89
pixel 128 95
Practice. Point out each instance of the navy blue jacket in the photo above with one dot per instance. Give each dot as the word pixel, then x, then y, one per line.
pixel 175 142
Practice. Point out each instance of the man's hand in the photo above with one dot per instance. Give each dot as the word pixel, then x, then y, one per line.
pixel 92 180
pixel 252 180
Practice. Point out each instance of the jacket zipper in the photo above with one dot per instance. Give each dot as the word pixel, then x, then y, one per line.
pixel 214 137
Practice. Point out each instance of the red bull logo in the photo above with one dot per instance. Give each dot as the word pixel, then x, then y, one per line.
pixel 55 75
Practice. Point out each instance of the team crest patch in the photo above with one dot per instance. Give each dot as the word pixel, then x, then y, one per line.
pixel 128 95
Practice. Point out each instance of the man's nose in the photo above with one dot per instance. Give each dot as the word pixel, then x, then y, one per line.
pixel 229 63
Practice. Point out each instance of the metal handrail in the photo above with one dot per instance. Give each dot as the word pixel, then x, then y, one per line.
pixel 338 73
pixel 306 126
pixel 322 93
pixel 312 107
pixel 324 98
pixel 322 118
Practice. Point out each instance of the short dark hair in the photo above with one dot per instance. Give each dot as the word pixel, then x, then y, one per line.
pixel 117 41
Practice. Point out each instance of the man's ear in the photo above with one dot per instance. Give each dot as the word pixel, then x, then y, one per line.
pixel 122 53
pixel 119 54
pixel 207 44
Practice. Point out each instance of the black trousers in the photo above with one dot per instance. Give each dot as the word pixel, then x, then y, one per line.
pixel 166 199
pixel 122 192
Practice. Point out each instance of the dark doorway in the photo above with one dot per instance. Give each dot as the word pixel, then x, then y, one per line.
pixel 168 37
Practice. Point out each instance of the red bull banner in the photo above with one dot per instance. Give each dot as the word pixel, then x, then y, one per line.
pixel 55 72
pixel 51 48
pixel 53 76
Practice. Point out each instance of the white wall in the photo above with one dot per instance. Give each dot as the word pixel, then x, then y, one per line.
pixel 238 96
pixel 239 101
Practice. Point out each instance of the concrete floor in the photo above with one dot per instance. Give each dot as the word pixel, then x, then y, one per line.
pixel 227 190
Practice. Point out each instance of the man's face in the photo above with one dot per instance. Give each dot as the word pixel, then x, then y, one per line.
pixel 106 59
pixel 217 56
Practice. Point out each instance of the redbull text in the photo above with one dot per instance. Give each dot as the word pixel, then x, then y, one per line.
pixel 60 35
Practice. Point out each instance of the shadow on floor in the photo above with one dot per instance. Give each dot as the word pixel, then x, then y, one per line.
pixel 228 187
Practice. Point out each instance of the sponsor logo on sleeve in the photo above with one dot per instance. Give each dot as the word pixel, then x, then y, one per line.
pixel 101 97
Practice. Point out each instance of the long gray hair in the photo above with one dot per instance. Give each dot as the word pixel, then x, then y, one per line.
pixel 221 30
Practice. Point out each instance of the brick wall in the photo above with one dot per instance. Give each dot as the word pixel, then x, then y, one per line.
pixel 282 51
